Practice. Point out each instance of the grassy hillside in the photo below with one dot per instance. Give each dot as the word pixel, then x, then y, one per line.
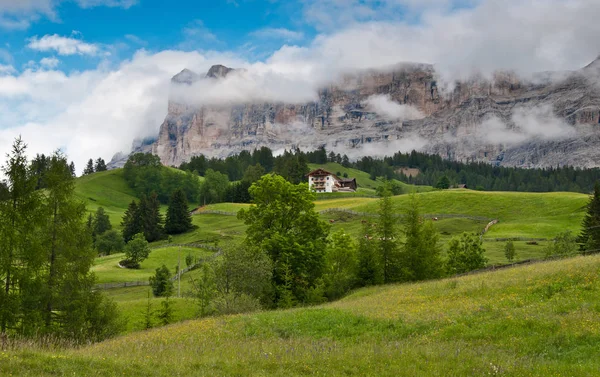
pixel 536 320
pixel 105 189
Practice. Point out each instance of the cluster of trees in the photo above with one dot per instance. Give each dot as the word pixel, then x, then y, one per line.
pixel 144 217
pixel 289 255
pixel 39 167
pixel 46 254
pixel 480 175
pixel 144 173
pixel 92 167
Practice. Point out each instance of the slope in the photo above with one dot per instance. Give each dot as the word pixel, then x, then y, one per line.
pixel 534 320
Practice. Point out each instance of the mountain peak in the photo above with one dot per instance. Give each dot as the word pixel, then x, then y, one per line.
pixel 218 71
pixel 185 77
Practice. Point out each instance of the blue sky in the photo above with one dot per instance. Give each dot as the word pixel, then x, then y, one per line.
pixel 89 76
pixel 243 26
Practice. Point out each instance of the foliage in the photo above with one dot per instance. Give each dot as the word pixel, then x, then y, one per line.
pixel 509 251
pixel 341 265
pixel 443 183
pixel 564 244
pixel 165 313
pixel 100 165
pixel 465 253
pixel 136 250
pixel 109 242
pixel 161 282
pixel 89 167
pixel 387 239
pixel 590 232
pixel 144 173
pixel 204 290
pixel 100 223
pixel 243 271
pixel 178 219
pixel 132 222
pixel 282 222
pixel 46 255
pixel 214 187
pixel 421 258
pixel 370 271
pixel 151 218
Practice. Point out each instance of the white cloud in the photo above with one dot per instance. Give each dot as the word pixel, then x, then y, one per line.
pixel 6 69
pixel 99 112
pixel 20 14
pixel 196 32
pixel 51 62
pixel 388 108
pixel 62 45
pixel 525 124
pixel 278 33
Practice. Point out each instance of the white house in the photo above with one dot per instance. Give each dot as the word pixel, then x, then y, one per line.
pixel 321 180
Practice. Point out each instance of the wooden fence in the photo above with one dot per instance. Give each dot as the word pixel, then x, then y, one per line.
pixel 140 283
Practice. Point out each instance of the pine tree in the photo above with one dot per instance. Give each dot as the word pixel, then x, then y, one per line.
pixel 178 218
pixel 101 223
pixel 132 222
pixel 152 220
pixel 590 233
pixel 89 168
pixel 72 169
pixel 100 165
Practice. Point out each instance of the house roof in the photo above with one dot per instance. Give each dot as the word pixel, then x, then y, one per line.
pixel 321 171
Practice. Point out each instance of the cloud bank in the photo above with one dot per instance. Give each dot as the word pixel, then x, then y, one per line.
pixel 383 105
pixel 98 112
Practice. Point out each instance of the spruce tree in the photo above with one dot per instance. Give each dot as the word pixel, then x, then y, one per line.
pixel 178 218
pixel 152 220
pixel 89 168
pixel 132 221
pixel 101 223
pixel 590 232
pixel 100 165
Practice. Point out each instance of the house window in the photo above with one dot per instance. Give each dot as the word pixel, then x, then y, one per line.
pixel 328 178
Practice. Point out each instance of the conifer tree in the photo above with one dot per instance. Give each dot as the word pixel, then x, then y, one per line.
pixel 132 221
pixel 178 218
pixel 590 232
pixel 152 220
pixel 89 168
pixel 101 223
pixel 72 169
pixel 100 165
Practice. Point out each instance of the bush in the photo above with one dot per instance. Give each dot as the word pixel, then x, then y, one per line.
pixel 161 282
pixel 136 251
pixel 109 242
pixel 465 253
pixel 232 303
pixel 563 244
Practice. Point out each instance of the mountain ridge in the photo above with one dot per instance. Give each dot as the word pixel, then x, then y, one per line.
pixel 551 120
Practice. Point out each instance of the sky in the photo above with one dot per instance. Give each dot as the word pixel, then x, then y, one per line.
pixel 89 76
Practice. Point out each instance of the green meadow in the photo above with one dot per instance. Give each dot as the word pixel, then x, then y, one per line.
pixel 533 320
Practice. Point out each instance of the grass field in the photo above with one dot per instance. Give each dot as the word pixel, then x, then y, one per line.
pixel 107 269
pixel 535 320
pixel 105 189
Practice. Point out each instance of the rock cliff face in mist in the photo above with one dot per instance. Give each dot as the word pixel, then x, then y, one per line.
pixel 551 120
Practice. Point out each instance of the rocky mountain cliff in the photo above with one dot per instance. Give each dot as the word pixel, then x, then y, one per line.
pixel 552 119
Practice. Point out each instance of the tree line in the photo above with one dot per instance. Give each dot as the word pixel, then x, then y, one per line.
pixel 433 170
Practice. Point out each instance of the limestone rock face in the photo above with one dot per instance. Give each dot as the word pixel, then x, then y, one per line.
pixel 551 120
